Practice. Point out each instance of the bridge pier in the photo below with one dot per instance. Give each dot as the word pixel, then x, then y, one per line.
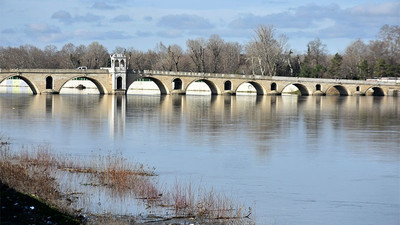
pixel 50 92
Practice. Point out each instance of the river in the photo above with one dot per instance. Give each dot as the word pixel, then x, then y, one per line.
pixel 294 160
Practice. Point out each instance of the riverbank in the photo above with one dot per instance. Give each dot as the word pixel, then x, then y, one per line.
pixel 64 186
pixel 18 208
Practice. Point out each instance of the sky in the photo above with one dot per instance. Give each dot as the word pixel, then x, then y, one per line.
pixel 142 24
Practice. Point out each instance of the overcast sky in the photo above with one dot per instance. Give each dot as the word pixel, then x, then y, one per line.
pixel 142 24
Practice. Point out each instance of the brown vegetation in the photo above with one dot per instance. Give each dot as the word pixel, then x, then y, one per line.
pixel 37 171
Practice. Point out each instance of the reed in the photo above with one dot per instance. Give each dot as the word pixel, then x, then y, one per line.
pixel 34 170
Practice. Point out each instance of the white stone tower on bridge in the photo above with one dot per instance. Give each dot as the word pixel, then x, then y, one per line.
pixel 118 73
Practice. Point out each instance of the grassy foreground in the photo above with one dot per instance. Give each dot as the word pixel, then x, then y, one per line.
pixel 41 174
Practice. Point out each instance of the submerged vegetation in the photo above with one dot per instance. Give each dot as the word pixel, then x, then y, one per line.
pixel 76 186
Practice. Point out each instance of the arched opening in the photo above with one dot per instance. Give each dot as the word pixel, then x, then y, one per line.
pixel 250 88
pixel 318 87
pixel 177 84
pixel 49 82
pixel 119 83
pixel 228 85
pixel 337 90
pixel 375 91
pixel 358 88
pixel 146 86
pixel 201 87
pixel 82 85
pixel 17 85
pixel 295 89
pixel 122 63
pixel 116 63
pixel 273 87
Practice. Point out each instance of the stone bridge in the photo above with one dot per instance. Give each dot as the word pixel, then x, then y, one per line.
pixel 178 82
pixel 117 80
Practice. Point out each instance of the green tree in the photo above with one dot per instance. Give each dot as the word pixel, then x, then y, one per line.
pixel 334 69
pixel 380 68
pixel 364 70
pixel 318 71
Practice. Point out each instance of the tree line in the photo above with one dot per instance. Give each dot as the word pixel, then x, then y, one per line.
pixel 265 54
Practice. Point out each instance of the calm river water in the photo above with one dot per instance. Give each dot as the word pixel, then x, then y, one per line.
pixel 295 160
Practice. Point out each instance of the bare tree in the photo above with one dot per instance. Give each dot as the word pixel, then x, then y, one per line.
pixel 231 57
pixel 317 53
pixel 267 49
pixel 354 55
pixel 96 56
pixel 214 50
pixel 174 54
pixel 390 37
pixel 196 51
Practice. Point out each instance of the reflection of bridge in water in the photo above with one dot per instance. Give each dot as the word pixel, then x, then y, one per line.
pixel 117 80
pixel 117 113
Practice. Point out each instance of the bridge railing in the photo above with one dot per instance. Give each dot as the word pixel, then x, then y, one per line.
pixel 273 78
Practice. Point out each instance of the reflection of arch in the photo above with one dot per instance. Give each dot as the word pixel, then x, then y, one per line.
pixel 49 82
pixel 260 90
pixel 28 82
pixel 318 87
pixel 211 85
pixel 160 85
pixel 339 89
pixel 227 85
pixel 303 89
pixel 177 84
pixel 376 91
pixel 96 82
pixel 358 88
pixel 119 83
pixel 273 87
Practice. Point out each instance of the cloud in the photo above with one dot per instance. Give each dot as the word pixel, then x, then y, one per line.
pixel 383 9
pixel 121 19
pixel 62 16
pixel 38 28
pixel 8 31
pixel 144 34
pixel 103 6
pixel 185 22
pixel 148 18
pixel 45 33
pixel 329 21
pixel 101 35
pixel 66 18
pixel 301 17
pixel 170 33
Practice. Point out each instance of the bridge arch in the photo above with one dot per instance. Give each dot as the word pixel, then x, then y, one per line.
pixel 302 88
pixel 99 85
pixel 161 86
pixel 49 82
pixel 177 84
pixel 375 91
pixel 259 88
pixel 119 83
pixel 274 86
pixel 337 90
pixel 227 85
pixel 213 88
pixel 32 86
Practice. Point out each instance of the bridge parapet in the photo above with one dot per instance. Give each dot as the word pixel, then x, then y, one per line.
pixel 269 78
pixel 55 71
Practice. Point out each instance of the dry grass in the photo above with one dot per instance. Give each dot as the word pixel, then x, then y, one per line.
pixel 34 170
